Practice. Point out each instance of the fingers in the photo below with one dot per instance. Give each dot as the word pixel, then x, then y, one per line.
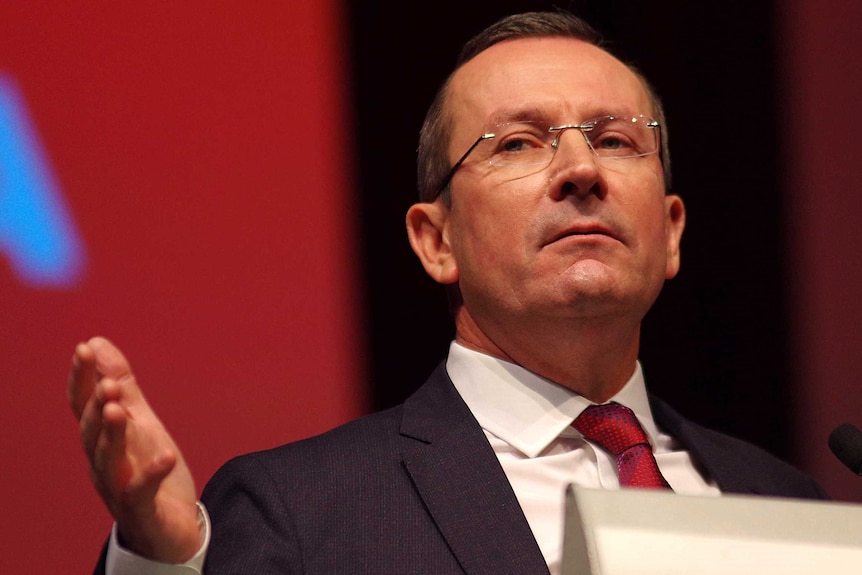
pixel 130 452
pixel 110 361
pixel 97 378
pixel 134 463
pixel 143 443
pixel 103 417
pixel 130 458
pixel 91 361
pixel 82 378
pixel 104 395
pixel 99 374
pixel 105 444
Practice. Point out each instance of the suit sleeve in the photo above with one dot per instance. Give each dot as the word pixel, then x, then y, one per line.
pixel 252 532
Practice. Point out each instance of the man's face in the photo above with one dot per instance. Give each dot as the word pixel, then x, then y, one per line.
pixel 585 237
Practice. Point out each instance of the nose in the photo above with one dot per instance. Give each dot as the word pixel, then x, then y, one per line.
pixel 574 168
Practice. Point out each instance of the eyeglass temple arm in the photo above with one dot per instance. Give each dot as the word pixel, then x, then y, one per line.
pixel 457 165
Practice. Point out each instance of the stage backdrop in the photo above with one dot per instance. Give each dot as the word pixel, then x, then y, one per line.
pixel 176 176
pixel 821 82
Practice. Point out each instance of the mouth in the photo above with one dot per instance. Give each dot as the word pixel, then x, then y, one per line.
pixel 586 231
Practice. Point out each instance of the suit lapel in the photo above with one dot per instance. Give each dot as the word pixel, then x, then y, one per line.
pixel 718 458
pixel 459 478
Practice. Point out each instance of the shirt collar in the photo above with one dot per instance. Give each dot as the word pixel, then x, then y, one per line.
pixel 526 410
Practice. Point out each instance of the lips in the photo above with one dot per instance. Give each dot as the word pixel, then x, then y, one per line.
pixel 583 229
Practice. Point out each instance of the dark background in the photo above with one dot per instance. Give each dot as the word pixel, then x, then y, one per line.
pixel 715 344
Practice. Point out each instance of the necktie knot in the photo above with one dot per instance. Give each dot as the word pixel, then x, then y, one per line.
pixel 612 426
pixel 616 429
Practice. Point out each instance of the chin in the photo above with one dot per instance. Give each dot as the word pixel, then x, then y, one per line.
pixel 586 295
pixel 589 278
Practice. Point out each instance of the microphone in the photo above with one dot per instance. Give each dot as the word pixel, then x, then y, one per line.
pixel 845 441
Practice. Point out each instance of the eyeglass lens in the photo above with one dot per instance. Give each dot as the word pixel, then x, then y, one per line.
pixel 531 143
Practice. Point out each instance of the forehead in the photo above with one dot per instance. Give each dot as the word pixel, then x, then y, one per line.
pixel 556 79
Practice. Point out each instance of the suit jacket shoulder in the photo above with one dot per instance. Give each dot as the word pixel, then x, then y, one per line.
pixel 415 489
pixel 735 465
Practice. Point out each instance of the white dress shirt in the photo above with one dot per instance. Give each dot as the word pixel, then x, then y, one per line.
pixel 121 561
pixel 527 420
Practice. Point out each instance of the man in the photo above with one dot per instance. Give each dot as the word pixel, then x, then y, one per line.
pixel 542 171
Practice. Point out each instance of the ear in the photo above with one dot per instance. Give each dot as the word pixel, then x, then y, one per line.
pixel 428 231
pixel 674 225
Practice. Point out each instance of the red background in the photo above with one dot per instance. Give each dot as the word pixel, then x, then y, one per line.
pixel 204 151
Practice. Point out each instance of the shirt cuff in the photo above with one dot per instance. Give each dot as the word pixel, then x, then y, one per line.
pixel 121 561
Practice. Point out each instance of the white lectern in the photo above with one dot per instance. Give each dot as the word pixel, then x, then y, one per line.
pixel 648 532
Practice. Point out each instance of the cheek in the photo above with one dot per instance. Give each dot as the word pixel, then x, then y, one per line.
pixel 650 230
pixel 491 238
pixel 657 243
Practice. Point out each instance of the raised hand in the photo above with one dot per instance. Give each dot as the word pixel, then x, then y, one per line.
pixel 135 465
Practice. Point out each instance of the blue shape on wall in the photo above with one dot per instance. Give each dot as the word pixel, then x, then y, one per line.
pixel 37 233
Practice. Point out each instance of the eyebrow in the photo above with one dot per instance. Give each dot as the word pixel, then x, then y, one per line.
pixel 534 114
pixel 531 114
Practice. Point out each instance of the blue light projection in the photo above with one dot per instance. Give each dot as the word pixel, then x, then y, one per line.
pixel 37 233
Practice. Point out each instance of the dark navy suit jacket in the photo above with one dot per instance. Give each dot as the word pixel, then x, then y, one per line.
pixel 417 489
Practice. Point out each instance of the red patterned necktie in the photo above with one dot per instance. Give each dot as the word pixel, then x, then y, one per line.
pixel 614 428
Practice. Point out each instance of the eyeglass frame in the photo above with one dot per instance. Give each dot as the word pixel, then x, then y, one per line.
pixel 583 128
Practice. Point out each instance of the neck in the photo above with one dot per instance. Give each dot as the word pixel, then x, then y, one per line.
pixel 593 357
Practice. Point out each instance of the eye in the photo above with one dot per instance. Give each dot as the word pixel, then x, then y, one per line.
pixel 518 143
pixel 513 145
pixel 612 143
